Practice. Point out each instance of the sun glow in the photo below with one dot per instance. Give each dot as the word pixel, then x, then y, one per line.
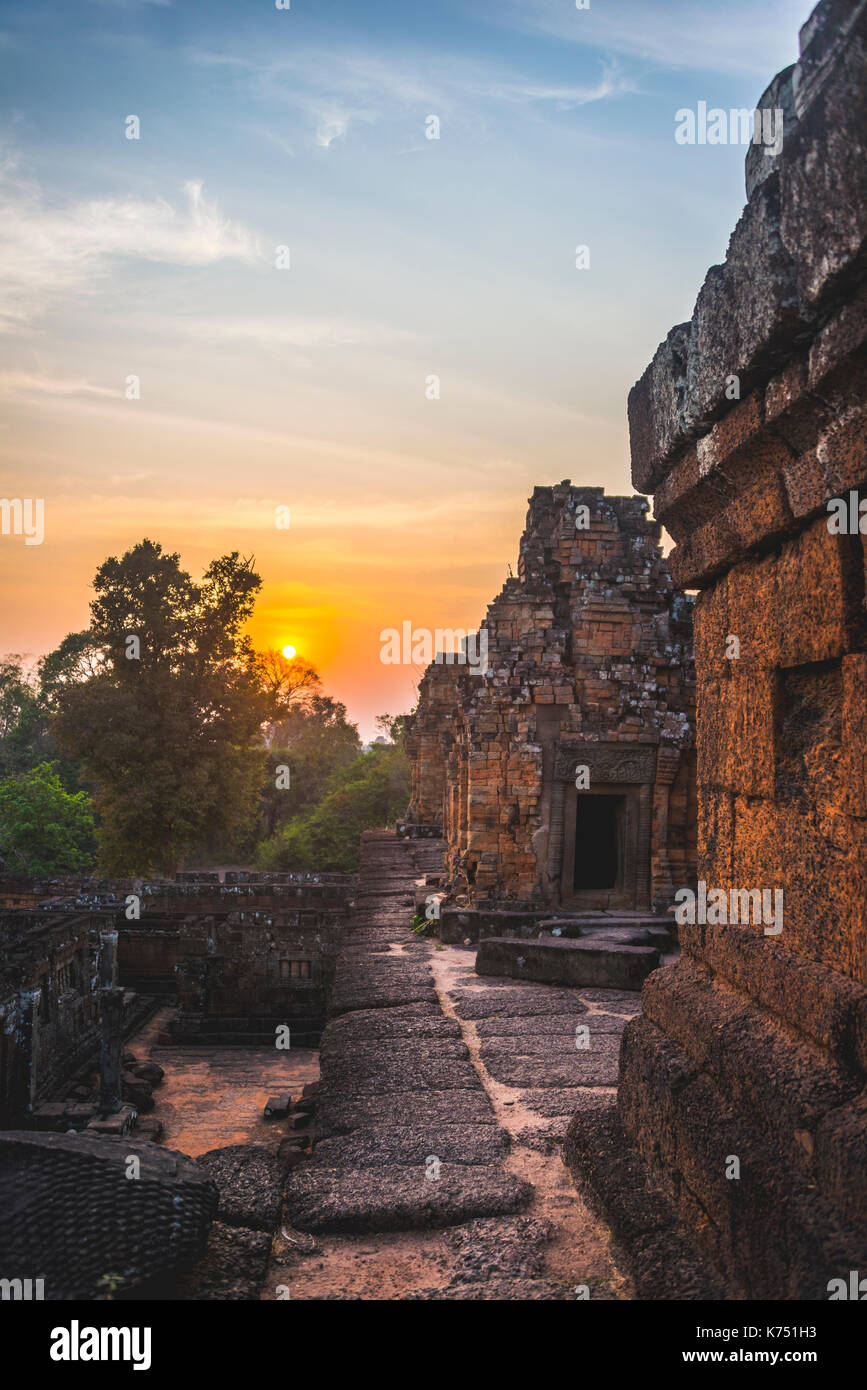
pixel 289 652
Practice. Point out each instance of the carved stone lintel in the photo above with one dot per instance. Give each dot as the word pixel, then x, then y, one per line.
pixel 608 762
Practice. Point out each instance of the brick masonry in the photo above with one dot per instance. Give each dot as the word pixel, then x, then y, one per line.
pixel 589 664
pixel 750 1046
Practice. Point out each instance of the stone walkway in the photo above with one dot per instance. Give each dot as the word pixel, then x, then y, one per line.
pixel 443 1101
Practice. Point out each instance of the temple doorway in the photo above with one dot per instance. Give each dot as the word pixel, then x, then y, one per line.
pixel 598 851
pixel 606 847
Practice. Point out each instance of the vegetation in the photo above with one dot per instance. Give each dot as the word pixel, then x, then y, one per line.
pixel 158 733
pixel 44 829
pixel 372 791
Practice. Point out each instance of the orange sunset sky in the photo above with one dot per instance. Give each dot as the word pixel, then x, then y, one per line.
pixel 303 384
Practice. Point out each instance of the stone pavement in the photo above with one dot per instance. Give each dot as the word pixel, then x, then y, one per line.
pixel 443 1102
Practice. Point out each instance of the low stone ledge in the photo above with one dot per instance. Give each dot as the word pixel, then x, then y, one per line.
pixel 460 924
pixel 767 1230
pixel 566 962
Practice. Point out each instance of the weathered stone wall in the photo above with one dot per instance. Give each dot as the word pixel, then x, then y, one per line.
pixel 49 1004
pixel 240 977
pixel 589 664
pixel 755 1046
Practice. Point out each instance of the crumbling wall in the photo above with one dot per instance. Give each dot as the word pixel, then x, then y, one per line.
pixel 589 663
pixel 748 422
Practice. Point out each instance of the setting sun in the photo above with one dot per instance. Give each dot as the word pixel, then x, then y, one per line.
pixel 289 652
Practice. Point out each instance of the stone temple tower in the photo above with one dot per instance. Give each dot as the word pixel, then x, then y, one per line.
pixel 563 774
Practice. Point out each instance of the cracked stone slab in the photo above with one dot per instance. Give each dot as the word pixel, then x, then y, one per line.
pixel 557 1047
pixel 593 1068
pixel 417 1070
pixel 563 1101
pixel 511 1002
pixel 619 1001
pixel 411 1020
pixel 510 1291
pixel 340 1114
pixel 400 1199
pixel 496 1249
pixel 366 1056
pixel 560 1025
pixel 380 1145
pixel 387 995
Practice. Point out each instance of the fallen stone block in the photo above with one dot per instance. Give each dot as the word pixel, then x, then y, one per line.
pixel 118 1125
pixel 147 1071
pixel 149 1128
pixel 277 1107
pixel 232 1268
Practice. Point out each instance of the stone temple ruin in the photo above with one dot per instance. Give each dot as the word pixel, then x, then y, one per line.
pixel 589 665
pixel 754 1046
pixel 562 778
pixel 596 772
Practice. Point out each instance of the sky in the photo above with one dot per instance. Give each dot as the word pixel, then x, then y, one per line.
pixel 284 295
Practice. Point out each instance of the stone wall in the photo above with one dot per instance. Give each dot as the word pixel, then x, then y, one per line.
pixel 589 665
pixel 747 423
pixel 240 977
pixel 49 1004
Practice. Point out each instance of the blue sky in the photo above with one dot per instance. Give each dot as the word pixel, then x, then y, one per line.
pixel 409 257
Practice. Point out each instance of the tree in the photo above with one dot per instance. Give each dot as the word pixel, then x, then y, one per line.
pixel 167 722
pixel 21 723
pixel 314 740
pixel 288 685
pixel 43 829
pixel 373 791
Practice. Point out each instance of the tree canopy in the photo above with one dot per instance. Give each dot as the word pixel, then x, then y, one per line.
pixel 165 726
pixel 44 829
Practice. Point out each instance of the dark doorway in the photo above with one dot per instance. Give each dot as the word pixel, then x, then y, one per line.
pixel 597 854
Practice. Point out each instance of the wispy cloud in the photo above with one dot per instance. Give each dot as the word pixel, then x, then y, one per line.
pixel 22 385
pixel 735 38
pixel 334 91
pixel 50 251
pixel 294 333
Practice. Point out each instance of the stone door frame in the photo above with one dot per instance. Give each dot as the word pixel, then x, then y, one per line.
pixel 615 770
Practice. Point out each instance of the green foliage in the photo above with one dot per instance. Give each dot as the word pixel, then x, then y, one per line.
pixel 168 738
pixel 372 791
pixel 21 724
pixel 422 926
pixel 44 829
pixel 315 741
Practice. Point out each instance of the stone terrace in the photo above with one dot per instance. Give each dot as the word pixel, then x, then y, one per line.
pixel 423 1060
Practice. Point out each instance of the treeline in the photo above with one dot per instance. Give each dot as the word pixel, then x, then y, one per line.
pixel 159 736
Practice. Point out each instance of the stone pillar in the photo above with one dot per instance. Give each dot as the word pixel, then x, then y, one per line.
pixel 111 1015
pixel 743 1083
pixel 662 885
pixel 26 1051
